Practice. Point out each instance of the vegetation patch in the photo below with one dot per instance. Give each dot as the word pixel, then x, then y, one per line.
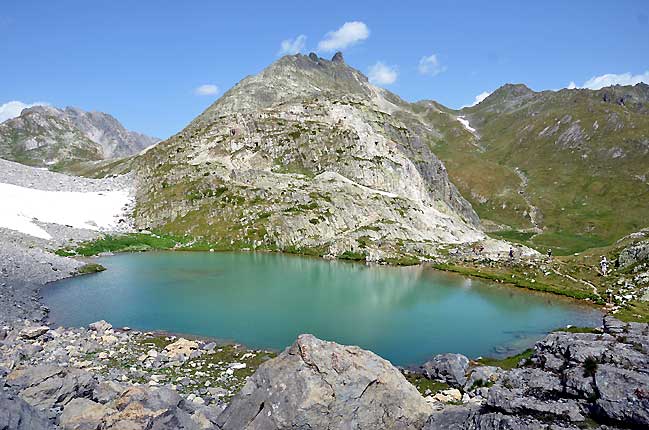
pixel 132 242
pixel 507 363
pixel 89 268
pixel 425 386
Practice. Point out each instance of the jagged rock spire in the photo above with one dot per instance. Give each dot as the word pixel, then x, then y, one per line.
pixel 338 57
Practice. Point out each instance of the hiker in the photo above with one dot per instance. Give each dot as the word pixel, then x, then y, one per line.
pixel 604 265
pixel 550 253
pixel 511 253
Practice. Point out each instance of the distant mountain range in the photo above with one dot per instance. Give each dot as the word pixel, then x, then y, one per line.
pixel 45 136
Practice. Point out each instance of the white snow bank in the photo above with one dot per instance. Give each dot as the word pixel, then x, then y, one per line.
pixel 465 123
pixel 19 206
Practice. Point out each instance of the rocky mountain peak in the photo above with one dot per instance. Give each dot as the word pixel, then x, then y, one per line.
pixel 47 135
pixel 292 77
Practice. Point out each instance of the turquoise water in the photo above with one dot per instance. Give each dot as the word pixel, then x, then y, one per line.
pixel 266 300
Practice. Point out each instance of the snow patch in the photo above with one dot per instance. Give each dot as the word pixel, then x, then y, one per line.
pixel 83 210
pixel 465 123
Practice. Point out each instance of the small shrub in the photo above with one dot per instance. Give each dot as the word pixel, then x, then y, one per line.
pixel 590 366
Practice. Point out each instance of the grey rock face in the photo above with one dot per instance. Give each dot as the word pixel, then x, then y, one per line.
pixel 516 402
pixel 623 395
pixel 43 136
pixel 634 254
pixel 105 130
pixel 46 387
pixel 137 408
pixel 16 414
pixel 451 368
pixel 482 376
pixel 318 384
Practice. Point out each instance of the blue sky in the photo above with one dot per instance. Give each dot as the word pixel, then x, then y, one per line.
pixel 144 61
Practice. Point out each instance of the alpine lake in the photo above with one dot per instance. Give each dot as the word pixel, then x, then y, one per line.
pixel 263 300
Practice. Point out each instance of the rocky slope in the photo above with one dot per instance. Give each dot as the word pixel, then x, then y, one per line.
pixel 567 167
pixel 105 378
pixel 307 156
pixel 46 136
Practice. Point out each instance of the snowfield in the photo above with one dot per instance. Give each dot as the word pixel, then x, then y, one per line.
pixel 465 123
pixel 21 206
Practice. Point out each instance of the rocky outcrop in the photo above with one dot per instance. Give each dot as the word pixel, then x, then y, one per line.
pixel 45 136
pixel 570 379
pixel 319 384
pixel 634 254
pixel 49 388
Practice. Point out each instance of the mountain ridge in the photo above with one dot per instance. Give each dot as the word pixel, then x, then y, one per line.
pixel 47 136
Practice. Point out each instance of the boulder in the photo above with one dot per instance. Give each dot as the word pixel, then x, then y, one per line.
pixel 182 349
pixel 82 414
pixel 100 326
pixel 16 414
pixel 45 386
pixel 33 332
pixel 319 384
pixel 623 395
pixel 450 368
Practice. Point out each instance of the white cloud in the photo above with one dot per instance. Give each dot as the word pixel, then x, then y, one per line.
pixel 292 46
pixel 597 82
pixel 430 66
pixel 480 97
pixel 608 79
pixel 382 74
pixel 13 108
pixel 206 90
pixel 347 35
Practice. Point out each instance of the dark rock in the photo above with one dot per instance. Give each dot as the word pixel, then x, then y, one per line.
pixel 318 384
pixel 338 57
pixel 313 56
pixel 451 368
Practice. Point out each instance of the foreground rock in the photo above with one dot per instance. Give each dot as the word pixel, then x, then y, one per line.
pixel 16 414
pixel 451 368
pixel 572 379
pixel 319 384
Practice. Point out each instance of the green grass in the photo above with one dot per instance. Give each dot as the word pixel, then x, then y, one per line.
pixel 352 255
pixel 507 363
pixel 89 268
pixel 512 235
pixel 514 276
pixel 593 330
pixel 132 242
pixel 423 384
pixel 406 260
